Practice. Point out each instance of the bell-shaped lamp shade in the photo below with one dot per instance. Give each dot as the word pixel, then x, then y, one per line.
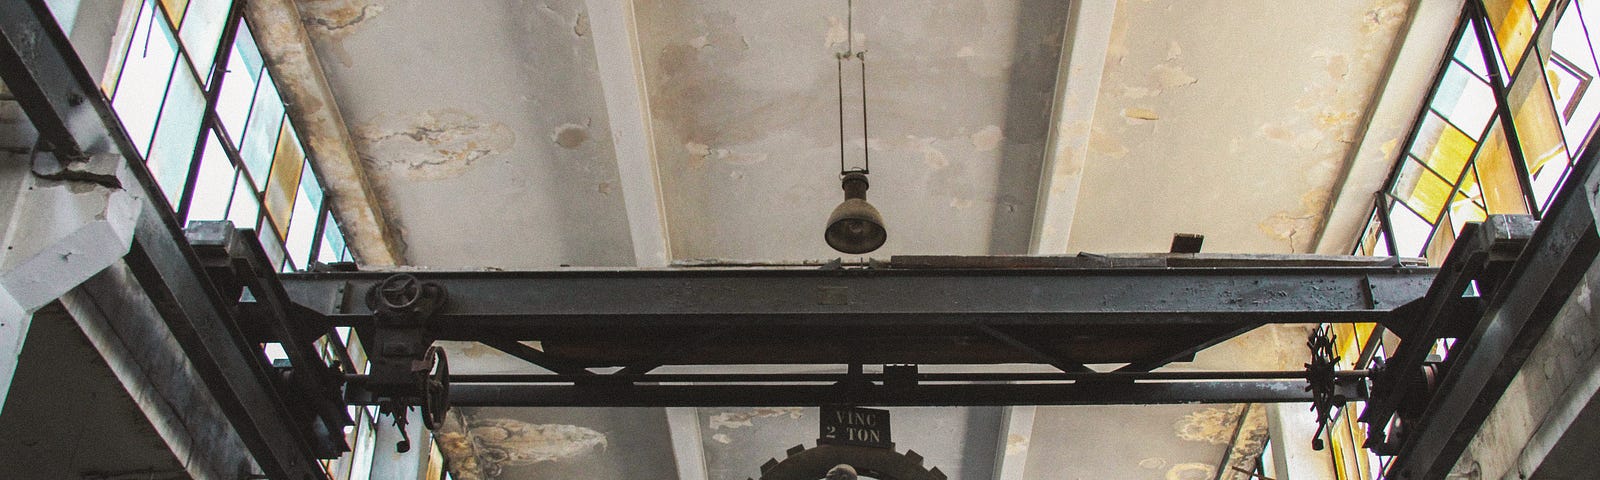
pixel 855 227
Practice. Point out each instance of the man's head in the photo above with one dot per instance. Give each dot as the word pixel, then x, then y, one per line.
pixel 841 472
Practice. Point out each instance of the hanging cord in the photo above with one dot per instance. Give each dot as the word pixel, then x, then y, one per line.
pixel 866 147
pixel 839 60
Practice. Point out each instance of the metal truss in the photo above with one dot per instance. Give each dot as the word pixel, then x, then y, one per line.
pixel 601 332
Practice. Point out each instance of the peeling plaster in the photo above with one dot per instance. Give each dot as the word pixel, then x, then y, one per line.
pixel 1106 145
pixel 334 20
pixel 580 27
pixel 487 446
pixel 1212 425
pixel 431 145
pixel 1153 463
pixel 734 420
pixel 570 136
pixel 722 438
pixel 1172 76
pixel 1139 92
pixel 1191 471
pixel 1138 113
pixel 1016 444
pixel 987 139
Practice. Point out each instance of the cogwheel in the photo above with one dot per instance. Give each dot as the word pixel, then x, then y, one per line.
pixel 812 463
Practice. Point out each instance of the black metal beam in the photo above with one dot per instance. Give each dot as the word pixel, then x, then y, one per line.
pixel 65 105
pixel 39 66
pixel 1088 393
pixel 1562 249
pixel 508 302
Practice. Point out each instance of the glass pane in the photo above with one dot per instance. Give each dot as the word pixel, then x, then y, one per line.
pixel 1421 189
pixel 303 223
pixel 273 247
pixel 244 210
pixel 144 77
pixel 1538 130
pixel 239 85
pixel 1369 235
pixel 1513 25
pixel 1470 188
pixel 1539 7
pixel 1380 248
pixel 173 149
pixel 1546 181
pixel 214 185
pixel 261 133
pixel 284 181
pixel 202 32
pixel 1410 231
pixel 332 247
pixel 1464 99
pixel 1464 210
pixel 1470 53
pixel 1442 146
pixel 1444 237
pixel 175 10
pixel 1502 189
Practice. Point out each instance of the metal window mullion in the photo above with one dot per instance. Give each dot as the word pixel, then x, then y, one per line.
pixel 1497 86
pixel 323 214
pixel 1455 188
pixel 127 51
pixel 1387 228
pixel 177 37
pixel 1430 169
pixel 1466 67
pixel 209 122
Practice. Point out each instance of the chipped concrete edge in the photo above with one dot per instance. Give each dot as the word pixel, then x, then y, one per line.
pixel 1404 88
pixel 311 106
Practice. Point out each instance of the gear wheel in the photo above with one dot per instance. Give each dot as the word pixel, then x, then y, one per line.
pixel 884 464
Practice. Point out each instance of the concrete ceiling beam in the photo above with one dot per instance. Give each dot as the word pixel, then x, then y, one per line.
pixel 1016 433
pixel 311 106
pixel 1411 71
pixel 683 425
pixel 1083 59
pixel 616 46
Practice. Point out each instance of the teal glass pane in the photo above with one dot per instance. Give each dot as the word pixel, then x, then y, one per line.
pixel 173 149
pixel 261 133
pixel 332 248
pixel 1465 100
pixel 65 13
pixel 143 81
pixel 213 188
pixel 274 249
pixel 202 32
pixel 239 85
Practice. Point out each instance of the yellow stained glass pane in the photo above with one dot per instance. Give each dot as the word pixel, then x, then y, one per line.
pixel 1422 190
pixel 1444 237
pixel 1538 129
pixel 1497 178
pixel 1513 24
pixel 284 181
pixel 1447 148
pixel 175 10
